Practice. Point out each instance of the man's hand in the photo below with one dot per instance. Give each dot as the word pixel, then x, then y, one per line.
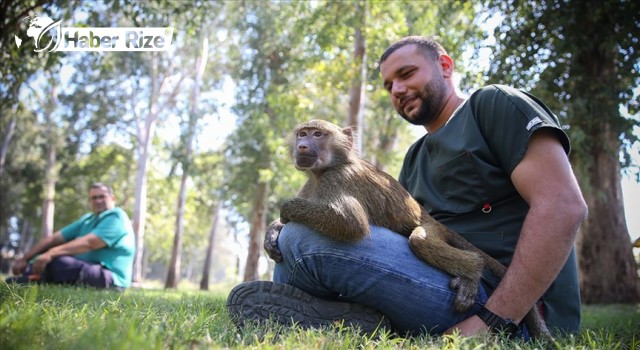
pixel 41 263
pixel 271 241
pixel 471 326
pixel 19 266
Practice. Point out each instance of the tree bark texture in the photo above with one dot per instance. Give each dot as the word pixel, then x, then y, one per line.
pixel 145 134
pixel 256 233
pixel 49 188
pixel 608 272
pixel 173 276
pixel 173 273
pixel 206 271
pixel 8 134
pixel 357 90
pixel 145 130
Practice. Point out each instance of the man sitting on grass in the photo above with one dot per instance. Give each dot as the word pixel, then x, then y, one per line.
pixel 97 250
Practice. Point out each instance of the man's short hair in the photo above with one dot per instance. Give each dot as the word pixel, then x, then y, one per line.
pixel 101 185
pixel 428 46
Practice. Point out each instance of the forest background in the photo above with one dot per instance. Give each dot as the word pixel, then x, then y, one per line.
pixel 193 139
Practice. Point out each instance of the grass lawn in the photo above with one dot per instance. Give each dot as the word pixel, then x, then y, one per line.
pixel 55 317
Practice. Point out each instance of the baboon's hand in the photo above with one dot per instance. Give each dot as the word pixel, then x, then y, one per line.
pixel 271 241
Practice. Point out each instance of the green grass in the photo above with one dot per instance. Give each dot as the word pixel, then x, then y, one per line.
pixel 55 317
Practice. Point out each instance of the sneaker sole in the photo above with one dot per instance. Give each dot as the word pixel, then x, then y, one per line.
pixel 288 305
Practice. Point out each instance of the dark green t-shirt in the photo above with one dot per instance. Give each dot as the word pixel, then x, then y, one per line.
pixel 461 175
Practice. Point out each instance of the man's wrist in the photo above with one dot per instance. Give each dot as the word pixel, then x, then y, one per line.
pixel 498 324
pixel 51 253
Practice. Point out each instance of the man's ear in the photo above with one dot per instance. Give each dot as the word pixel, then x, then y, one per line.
pixel 447 65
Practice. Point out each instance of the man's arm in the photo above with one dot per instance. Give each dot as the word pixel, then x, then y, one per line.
pixel 556 208
pixel 79 245
pixel 42 245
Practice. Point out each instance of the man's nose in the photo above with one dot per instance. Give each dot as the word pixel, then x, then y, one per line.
pixel 398 89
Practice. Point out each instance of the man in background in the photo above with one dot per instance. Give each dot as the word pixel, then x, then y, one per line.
pixel 96 250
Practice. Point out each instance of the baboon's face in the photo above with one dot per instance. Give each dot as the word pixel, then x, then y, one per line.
pixel 319 145
pixel 311 150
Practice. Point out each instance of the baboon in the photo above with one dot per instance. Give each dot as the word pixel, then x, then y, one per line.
pixel 345 194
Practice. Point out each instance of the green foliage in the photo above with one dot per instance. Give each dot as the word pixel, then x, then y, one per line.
pixel 20 182
pixel 76 123
pixel 76 318
pixel 583 66
pixel 267 63
pixel 111 164
pixel 18 64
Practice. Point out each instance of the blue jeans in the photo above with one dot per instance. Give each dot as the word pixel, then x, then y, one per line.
pixel 379 271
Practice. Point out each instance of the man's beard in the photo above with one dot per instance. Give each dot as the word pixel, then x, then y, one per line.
pixel 432 97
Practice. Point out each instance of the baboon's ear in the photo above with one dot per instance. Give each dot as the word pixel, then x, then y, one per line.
pixel 349 132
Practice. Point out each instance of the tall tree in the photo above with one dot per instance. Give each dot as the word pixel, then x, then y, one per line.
pixel 359 68
pixel 6 139
pixel 269 71
pixel 18 65
pixel 45 110
pixel 581 57
pixel 51 173
pixel 206 271
pixel 161 85
pixel 194 113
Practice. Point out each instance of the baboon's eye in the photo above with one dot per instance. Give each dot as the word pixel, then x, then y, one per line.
pixel 317 134
pixel 302 134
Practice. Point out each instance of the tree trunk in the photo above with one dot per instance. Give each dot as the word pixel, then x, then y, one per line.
pixel 48 205
pixel 5 142
pixel 357 90
pixel 256 232
pixel 206 271
pixel 608 271
pixel 386 141
pixel 607 267
pixel 145 131
pixel 26 236
pixel 173 273
pixel 145 134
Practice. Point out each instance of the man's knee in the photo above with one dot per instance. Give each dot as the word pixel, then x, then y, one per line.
pixel 96 276
pixel 62 270
pixel 296 237
pixel 61 262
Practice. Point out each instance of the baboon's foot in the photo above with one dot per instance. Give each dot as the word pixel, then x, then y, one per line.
pixel 466 293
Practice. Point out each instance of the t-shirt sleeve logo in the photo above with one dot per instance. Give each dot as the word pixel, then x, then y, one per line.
pixel 532 122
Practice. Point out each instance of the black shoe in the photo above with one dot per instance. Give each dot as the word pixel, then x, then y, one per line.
pixel 285 304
